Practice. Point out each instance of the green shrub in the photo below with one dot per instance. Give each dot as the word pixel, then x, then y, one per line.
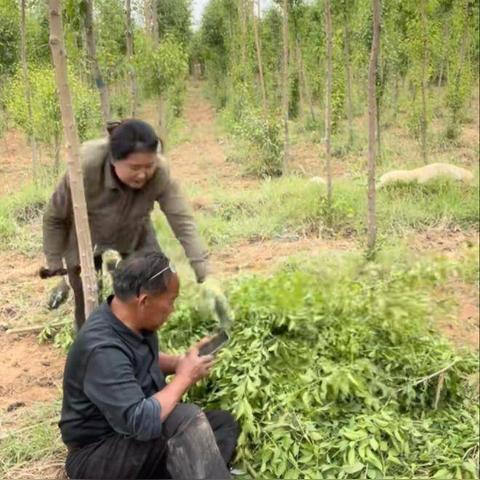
pixel 46 119
pixel 262 142
pixel 333 372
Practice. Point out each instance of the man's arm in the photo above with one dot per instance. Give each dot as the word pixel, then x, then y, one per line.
pixel 56 223
pixel 111 385
pixel 168 363
pixel 179 216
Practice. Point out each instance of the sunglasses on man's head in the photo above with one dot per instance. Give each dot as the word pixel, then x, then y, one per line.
pixel 156 275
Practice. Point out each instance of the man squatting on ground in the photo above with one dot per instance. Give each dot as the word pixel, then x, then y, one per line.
pixel 119 418
pixel 123 177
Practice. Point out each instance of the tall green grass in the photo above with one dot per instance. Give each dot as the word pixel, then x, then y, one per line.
pixel 296 206
pixel 20 212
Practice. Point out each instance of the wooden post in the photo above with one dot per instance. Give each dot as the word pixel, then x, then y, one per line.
pixel 372 113
pixel 75 174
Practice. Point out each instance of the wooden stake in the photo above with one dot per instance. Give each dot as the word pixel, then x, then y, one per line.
pixel 75 173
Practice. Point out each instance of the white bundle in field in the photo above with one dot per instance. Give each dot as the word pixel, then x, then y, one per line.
pixel 425 174
pixel 318 180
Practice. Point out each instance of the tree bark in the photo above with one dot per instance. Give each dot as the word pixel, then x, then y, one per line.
pixel 56 154
pixel 328 100
pixel 285 87
pixel 372 107
pixel 258 48
pixel 155 30
pixel 395 98
pixel 162 122
pixel 129 44
pixel 28 93
pixel 75 174
pixel 306 86
pixel 348 77
pixel 93 63
pixel 424 124
pixel 147 13
pixel 298 74
pixel 242 10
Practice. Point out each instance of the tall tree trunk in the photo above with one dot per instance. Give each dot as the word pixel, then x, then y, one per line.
pixel 75 174
pixel 443 59
pixel 380 79
pixel 328 100
pixel 147 13
pixel 348 77
pixel 285 87
pixel 306 86
pixel 93 63
pixel 424 124
pixel 129 43
pixel 244 33
pixel 258 48
pixel 162 121
pixel 56 154
pixel 155 29
pixel 372 107
pixel 301 90
pixel 395 98
pixel 28 93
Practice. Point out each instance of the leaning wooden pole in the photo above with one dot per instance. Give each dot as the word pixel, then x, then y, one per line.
pixel 372 113
pixel 75 174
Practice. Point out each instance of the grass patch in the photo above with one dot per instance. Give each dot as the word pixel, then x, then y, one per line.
pixel 19 214
pixel 33 445
pixel 294 205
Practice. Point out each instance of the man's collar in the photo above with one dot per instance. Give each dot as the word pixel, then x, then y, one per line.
pixel 132 337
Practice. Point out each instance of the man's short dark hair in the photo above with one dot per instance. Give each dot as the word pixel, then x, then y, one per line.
pixel 132 136
pixel 134 275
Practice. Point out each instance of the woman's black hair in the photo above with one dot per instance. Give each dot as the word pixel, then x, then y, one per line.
pixel 134 275
pixel 131 136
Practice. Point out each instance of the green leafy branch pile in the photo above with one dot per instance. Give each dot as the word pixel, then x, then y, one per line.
pixel 336 373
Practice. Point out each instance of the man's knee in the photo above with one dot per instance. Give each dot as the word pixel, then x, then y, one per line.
pixel 182 416
pixel 224 420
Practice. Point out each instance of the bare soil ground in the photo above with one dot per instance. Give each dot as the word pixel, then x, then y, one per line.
pixel 31 372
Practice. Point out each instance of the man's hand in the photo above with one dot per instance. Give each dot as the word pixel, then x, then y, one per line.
pixel 189 369
pixel 215 303
pixel 192 367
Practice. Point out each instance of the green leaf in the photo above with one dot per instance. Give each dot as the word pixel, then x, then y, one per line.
pixel 374 444
pixel 356 467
